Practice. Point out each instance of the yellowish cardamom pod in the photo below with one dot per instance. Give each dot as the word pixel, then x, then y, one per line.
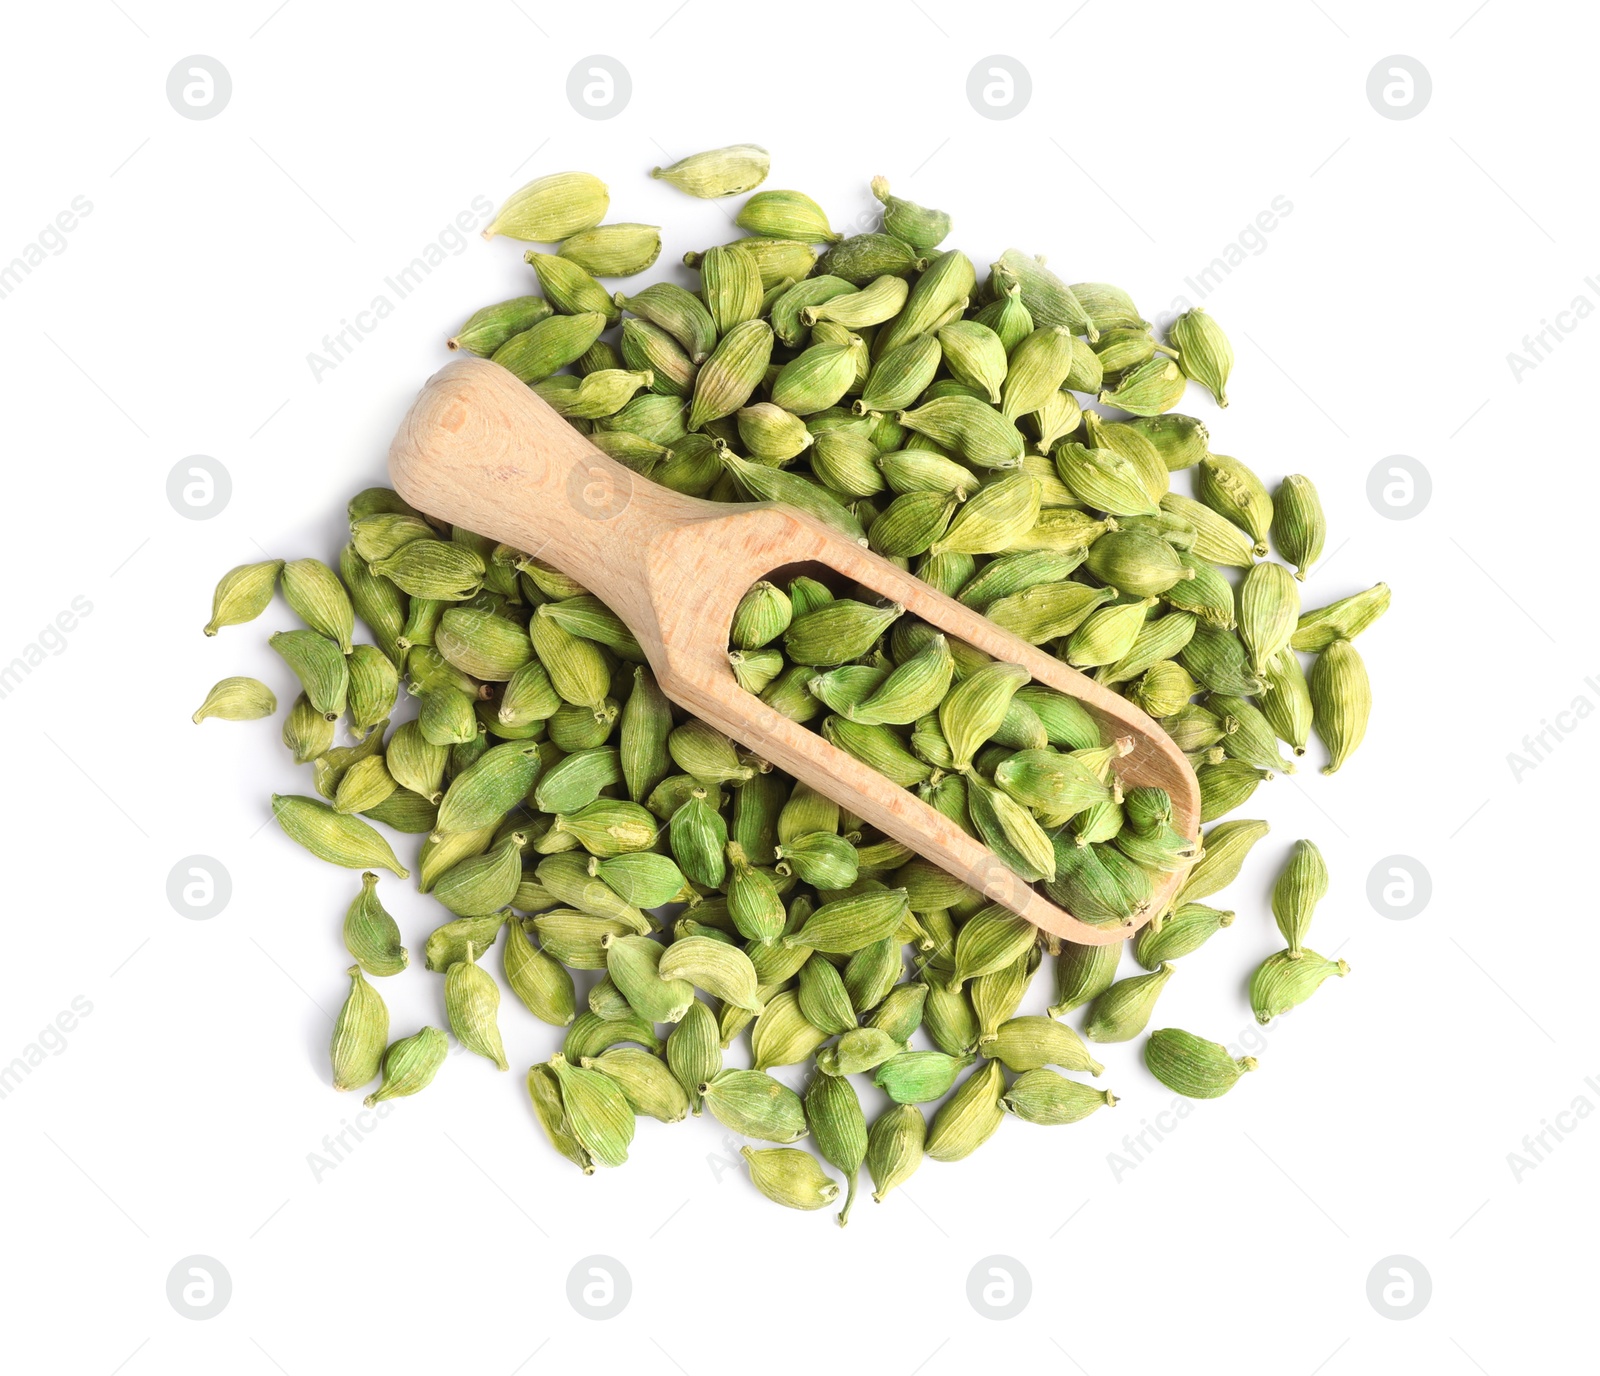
pixel 237 699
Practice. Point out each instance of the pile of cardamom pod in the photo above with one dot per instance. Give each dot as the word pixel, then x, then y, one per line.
pixel 572 815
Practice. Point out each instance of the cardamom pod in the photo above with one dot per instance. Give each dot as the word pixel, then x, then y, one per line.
pixel 360 1034
pixel 1191 1066
pixel 1052 1100
pixel 410 1064
pixel 1341 701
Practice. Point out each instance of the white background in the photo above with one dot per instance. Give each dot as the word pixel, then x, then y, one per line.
pixel 181 1115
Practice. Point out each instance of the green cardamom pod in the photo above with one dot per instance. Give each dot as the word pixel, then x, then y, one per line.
pixel 237 699
pixel 487 329
pixel 1226 786
pixel 645 1081
pixel 1224 848
pixel 1082 974
pixel 472 1003
pixel 895 1148
pixel 318 598
pixel 791 1177
pixel 1136 563
pixel 550 208
pixel 646 723
pixel 722 970
pixel 540 981
pixel 360 1034
pixel 994 518
pixel 857 1051
pixel 544 1090
pixel 319 665
pixel 1010 830
pixel 461 939
pixel 488 789
pixel 919 1077
pixel 1234 492
pixel 1164 688
pixel 1179 934
pixel 975 355
pixel 753 1104
pixel 1300 886
pixel 548 346
pixel 647 348
pixel 1341 701
pixel 1191 1066
pixel 871 972
pixel 728 377
pixel 969 428
pixel 822 859
pixel 1027 1043
pixel 1121 1013
pixel 1204 352
pixel 763 614
pixel 783 1036
pixel 786 215
pixel 1269 607
pixel 990 940
pixel 377 602
pixel 1052 1100
pixel 729 171
pixel 948 1015
pixel 632 962
pixel 643 878
pixel 1007 316
pixel 1341 620
pixel 1299 527
pixel 440 852
pixel 969 1117
pixel 694 1052
pixel 334 837
pixel 1182 441
pixel 591 1034
pixel 848 925
pixel 410 1064
pixel 1037 368
pixel 1103 479
pixel 567 879
pixel 371 935
pixel 778 485
pixel 698 837
pixel 1148 389
pixel 615 250
pixel 1285 699
pixel 483 883
pixel 863 258
pixel 754 903
pixel 597 1110
pixel 242 594
pixel 1219 661
pixel 906 220
pixel 1049 300
pixel 975 708
pixel 373 688
pixel 1250 736
pixel 1047 611
pixel 578 780
pixel 1108 634
pixel 382 533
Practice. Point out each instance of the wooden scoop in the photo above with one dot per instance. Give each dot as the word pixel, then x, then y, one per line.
pixel 479 449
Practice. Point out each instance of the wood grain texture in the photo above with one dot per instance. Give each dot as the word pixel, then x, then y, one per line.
pixel 478 448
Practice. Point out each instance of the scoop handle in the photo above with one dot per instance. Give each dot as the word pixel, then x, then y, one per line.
pixel 482 450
